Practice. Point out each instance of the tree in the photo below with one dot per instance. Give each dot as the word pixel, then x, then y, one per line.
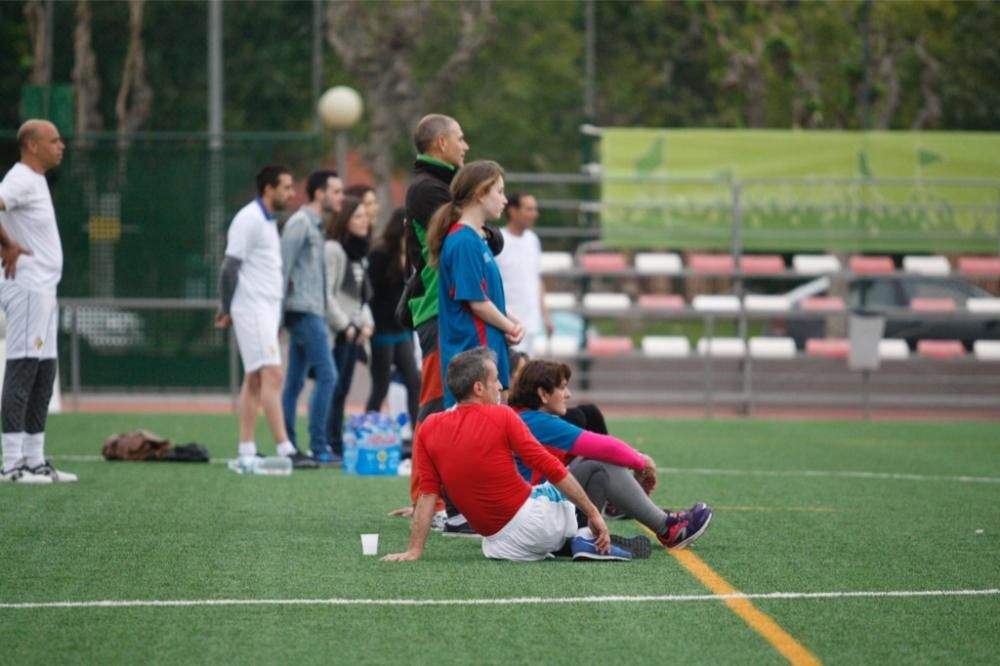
pixel 380 46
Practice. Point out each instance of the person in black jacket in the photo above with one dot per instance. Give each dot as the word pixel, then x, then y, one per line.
pixel 392 345
pixel 441 149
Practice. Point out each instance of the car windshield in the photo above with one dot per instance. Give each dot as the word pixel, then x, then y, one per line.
pixel 874 293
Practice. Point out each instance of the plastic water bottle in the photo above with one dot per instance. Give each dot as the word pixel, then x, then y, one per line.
pixel 273 466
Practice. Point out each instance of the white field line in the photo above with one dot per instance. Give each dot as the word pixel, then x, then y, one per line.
pixel 69 457
pixel 514 601
pixel 708 471
pixel 814 473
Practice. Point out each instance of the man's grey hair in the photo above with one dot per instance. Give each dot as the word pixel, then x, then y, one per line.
pixel 467 368
pixel 429 128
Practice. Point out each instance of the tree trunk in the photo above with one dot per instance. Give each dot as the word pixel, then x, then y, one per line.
pixel 86 83
pixel 893 91
pixel 135 96
pixel 37 14
pixel 930 112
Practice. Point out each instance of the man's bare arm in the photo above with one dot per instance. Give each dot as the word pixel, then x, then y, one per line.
pixel 422 516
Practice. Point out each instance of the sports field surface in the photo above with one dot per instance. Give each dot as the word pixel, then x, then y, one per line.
pixel 844 543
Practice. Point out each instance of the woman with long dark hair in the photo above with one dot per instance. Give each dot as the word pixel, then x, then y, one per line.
pixel 348 290
pixel 606 467
pixel 392 345
pixel 471 307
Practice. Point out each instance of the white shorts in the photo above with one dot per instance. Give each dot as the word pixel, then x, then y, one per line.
pixel 256 328
pixel 32 320
pixel 540 526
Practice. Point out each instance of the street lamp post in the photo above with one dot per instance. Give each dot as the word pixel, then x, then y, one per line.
pixel 340 108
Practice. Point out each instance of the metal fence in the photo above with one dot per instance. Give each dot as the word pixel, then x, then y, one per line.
pixel 170 346
pixel 143 227
pixel 892 215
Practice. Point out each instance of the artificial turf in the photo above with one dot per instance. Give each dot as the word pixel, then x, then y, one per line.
pixel 792 515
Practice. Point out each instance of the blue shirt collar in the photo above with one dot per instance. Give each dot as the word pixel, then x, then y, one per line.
pixel 268 215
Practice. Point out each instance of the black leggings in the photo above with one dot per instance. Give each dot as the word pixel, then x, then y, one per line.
pixel 27 389
pixel 400 355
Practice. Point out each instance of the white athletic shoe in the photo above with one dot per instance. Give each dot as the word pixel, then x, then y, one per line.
pixel 21 474
pixel 242 465
pixel 47 471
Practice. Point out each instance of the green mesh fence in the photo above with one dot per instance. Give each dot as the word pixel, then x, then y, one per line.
pixel 147 219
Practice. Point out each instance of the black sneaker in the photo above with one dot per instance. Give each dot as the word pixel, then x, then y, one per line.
pixel 302 461
pixel 463 530
pixel 611 512
pixel 640 547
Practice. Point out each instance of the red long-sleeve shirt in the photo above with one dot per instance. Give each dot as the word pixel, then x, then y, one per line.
pixel 470 450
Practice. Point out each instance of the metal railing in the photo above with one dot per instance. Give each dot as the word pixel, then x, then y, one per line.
pixel 850 213
pixel 706 380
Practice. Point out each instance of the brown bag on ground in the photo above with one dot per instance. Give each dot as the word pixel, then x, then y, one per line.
pixel 138 445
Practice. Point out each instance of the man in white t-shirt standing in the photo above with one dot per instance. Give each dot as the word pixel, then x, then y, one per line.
pixel 33 259
pixel 251 289
pixel 521 268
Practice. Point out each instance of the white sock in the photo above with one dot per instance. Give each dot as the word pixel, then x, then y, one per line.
pixel 248 449
pixel 34 449
pixel 584 532
pixel 286 448
pixel 12 450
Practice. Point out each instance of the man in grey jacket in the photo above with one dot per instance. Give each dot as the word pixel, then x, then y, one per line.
pixel 305 310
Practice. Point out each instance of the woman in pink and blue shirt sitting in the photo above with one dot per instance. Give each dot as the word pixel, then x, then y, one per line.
pixel 605 466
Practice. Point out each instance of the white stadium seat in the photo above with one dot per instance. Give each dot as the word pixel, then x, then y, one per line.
pixel 564 345
pixel 666 346
pixel 539 346
pixel 933 265
pixel 758 303
pixel 722 347
pixel 716 303
pixel 815 264
pixel 560 300
pixel 658 263
pixel 983 305
pixel 772 347
pixel 986 350
pixel 607 302
pixel 554 262
pixel 892 349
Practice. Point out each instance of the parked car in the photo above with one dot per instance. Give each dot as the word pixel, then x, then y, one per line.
pixel 892 294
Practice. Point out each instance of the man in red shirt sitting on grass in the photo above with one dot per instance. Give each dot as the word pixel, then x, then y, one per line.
pixel 470 449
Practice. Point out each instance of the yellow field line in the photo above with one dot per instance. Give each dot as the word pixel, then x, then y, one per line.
pixel 762 623
pixel 796 653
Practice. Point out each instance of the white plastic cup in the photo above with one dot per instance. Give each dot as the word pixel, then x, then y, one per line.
pixel 369 544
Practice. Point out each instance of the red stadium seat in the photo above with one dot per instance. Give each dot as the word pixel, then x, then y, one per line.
pixel 871 265
pixel 762 264
pixel 823 304
pixel 661 302
pixel 603 262
pixel 828 347
pixel 940 349
pixel 933 304
pixel 979 265
pixel 609 345
pixel 711 263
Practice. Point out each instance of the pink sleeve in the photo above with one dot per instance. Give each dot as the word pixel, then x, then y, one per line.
pixel 607 449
